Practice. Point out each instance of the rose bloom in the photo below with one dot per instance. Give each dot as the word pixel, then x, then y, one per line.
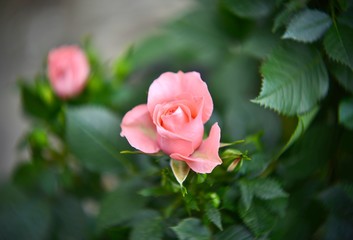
pixel 178 106
pixel 68 70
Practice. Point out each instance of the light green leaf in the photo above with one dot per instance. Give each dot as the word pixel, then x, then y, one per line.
pixel 148 226
pixel 214 216
pixel 250 9
pixel 93 136
pixel 345 113
pixel 120 206
pixel 344 75
pixel 180 170
pixel 304 121
pixel 308 26
pixel 192 229
pixel 338 44
pixel 294 79
pixel 235 232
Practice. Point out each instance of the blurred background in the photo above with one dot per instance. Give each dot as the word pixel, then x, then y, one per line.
pixel 30 28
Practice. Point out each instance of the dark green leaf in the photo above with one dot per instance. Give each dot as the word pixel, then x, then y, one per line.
pixel 192 229
pixel 22 217
pixel 93 136
pixel 304 121
pixel 344 75
pixel 257 218
pixel 338 229
pixel 250 9
pixel 338 44
pixel 267 189
pixel 36 104
pixel 295 79
pixel 70 220
pixel 247 193
pixel 120 206
pixel 338 202
pixel 260 42
pixel 235 232
pixel 283 18
pixel 214 215
pixel 345 113
pixel 148 226
pixel 308 26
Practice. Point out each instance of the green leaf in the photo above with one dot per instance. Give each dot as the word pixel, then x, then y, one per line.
pixel 148 226
pixel 267 189
pixel 304 122
pixel 344 75
pixel 235 232
pixel 308 26
pixel 70 220
pixel 36 105
pixel 294 79
pixel 214 216
pixel 338 44
pixel 22 217
pixel 93 136
pixel 345 113
pixel 283 18
pixel 120 206
pixel 250 9
pixel 192 229
pixel 246 192
pixel 337 202
pixel 257 218
pixel 180 170
pixel 260 42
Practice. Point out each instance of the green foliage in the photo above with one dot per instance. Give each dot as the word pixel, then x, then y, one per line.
pixel 120 206
pixel 250 9
pixel 286 174
pixel 345 113
pixel 308 26
pixel 338 45
pixel 295 79
pixel 148 226
pixel 214 216
pixel 191 229
pixel 92 136
pixel 235 232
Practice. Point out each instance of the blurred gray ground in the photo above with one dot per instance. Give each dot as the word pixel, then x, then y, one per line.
pixel 29 28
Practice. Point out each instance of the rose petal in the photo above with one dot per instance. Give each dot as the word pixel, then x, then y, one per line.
pixel 138 128
pixel 206 157
pixel 170 86
pixel 184 137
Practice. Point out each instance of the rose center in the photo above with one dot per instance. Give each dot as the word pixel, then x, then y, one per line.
pixel 174 118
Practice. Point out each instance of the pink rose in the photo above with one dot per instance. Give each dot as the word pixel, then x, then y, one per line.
pixel 68 70
pixel 178 106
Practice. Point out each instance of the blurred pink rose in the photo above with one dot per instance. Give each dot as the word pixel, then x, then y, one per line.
pixel 68 70
pixel 173 120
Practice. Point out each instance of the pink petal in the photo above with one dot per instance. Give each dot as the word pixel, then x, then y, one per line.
pixel 138 128
pixel 206 157
pixel 178 132
pixel 173 86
